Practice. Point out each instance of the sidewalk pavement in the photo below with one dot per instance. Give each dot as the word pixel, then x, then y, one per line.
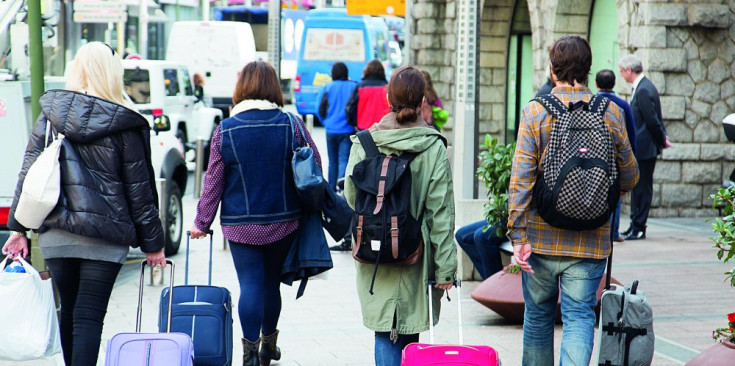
pixel 676 267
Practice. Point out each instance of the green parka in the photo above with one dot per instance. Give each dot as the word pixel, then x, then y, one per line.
pixel 401 290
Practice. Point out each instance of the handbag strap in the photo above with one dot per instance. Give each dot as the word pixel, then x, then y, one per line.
pixel 295 124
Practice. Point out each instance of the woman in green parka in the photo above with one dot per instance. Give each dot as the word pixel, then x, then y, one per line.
pixel 398 309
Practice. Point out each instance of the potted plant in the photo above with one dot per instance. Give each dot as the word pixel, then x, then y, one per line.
pixel 723 352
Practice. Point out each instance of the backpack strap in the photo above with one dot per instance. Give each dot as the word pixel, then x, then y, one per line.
pixel 552 104
pixel 598 104
pixel 367 142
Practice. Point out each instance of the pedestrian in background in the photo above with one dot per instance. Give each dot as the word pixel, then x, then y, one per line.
pixel 198 80
pixel 398 309
pixel 431 99
pixel 552 258
pixel 260 212
pixel 482 246
pixel 367 104
pixel 108 199
pixel 605 82
pixel 651 138
pixel 332 101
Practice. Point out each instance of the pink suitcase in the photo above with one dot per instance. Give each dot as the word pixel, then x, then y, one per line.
pixel 448 354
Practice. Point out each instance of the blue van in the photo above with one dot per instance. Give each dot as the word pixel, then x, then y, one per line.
pixel 330 35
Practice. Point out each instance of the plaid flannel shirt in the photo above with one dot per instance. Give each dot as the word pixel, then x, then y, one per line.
pixel 525 226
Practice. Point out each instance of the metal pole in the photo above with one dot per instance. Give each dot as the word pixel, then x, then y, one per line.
pixel 310 122
pixel 205 9
pixel 407 29
pixel 465 116
pixel 120 39
pixel 143 28
pixel 35 51
pixel 274 35
pixel 199 167
pixel 157 272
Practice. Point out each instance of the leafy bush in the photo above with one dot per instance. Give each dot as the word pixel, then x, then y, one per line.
pixel 496 160
pixel 724 239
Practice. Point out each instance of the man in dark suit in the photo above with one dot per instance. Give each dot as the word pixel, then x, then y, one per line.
pixel 650 140
pixel 605 82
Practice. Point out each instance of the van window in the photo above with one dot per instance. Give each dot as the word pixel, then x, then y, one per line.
pixel 138 85
pixel 171 82
pixel 186 81
pixel 331 44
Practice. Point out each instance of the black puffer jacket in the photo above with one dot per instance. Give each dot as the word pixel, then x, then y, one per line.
pixel 107 180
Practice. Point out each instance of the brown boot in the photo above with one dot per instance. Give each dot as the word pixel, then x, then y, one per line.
pixel 250 352
pixel 269 351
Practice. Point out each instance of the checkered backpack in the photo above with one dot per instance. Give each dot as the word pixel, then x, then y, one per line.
pixel 578 188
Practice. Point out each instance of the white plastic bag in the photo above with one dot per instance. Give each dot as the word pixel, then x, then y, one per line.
pixel 42 185
pixel 28 311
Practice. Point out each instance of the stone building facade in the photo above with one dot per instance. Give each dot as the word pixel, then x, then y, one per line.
pixel 687 48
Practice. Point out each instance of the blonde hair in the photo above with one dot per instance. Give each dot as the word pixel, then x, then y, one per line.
pixel 97 70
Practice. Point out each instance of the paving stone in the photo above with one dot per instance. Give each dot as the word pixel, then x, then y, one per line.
pixel 709 15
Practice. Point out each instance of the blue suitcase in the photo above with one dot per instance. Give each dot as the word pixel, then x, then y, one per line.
pixel 204 313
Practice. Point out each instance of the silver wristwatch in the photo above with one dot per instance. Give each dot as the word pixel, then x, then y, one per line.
pixel 18 233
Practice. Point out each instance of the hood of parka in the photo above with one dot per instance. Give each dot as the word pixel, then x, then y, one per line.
pixel 83 118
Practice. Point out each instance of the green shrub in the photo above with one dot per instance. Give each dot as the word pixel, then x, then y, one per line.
pixel 496 160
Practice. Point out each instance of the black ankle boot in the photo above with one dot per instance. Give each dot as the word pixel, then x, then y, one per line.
pixel 345 246
pixel 250 352
pixel 268 350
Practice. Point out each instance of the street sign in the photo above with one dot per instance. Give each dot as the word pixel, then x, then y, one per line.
pixel 100 11
pixel 376 7
pixel 116 6
pixel 100 17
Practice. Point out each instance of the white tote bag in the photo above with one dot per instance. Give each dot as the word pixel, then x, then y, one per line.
pixel 28 310
pixel 42 185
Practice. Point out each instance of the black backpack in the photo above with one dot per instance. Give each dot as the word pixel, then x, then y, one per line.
pixel 578 188
pixel 385 232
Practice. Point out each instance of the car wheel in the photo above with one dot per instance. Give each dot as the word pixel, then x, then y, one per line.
pixel 174 218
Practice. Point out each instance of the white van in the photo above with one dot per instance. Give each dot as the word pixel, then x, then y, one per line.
pixel 217 50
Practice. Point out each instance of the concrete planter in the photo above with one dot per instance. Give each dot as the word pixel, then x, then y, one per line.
pixel 721 354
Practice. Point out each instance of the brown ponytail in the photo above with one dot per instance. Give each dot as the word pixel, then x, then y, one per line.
pixel 406 93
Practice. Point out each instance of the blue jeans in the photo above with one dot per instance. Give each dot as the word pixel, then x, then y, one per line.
pixel 615 224
pixel 338 150
pixel 258 270
pixel 579 281
pixel 388 353
pixel 481 247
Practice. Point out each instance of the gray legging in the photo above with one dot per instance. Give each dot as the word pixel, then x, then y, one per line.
pixel 84 288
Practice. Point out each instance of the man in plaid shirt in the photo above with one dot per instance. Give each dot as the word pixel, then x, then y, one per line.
pixel 551 256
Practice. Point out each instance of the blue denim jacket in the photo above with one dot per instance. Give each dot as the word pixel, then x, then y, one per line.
pixel 257 150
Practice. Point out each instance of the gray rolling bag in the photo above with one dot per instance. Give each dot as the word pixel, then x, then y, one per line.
pixel 626 325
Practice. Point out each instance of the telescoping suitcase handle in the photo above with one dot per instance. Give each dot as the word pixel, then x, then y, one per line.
pixel 186 265
pixel 458 285
pixel 138 316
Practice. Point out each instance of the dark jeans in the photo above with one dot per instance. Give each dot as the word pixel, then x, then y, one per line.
pixel 642 195
pixel 481 247
pixel 84 288
pixel 338 150
pixel 388 353
pixel 259 273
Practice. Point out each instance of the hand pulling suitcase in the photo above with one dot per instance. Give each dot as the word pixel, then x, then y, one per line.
pixel 448 354
pixel 626 325
pixel 149 349
pixel 202 312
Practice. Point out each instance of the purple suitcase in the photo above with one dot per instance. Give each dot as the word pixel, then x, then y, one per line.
pixel 150 349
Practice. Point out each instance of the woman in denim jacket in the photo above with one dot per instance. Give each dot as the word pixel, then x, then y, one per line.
pixel 250 173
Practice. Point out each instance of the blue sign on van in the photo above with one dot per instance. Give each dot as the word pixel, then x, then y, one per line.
pixel 330 35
